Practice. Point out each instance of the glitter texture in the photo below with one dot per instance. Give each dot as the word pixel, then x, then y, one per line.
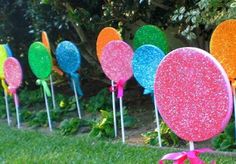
pixel 8 50
pixel 3 57
pixel 13 72
pixel 45 40
pixel 105 36
pixel 145 62
pixel 116 61
pixel 222 46
pixel 40 60
pixel 193 94
pixel 68 57
pixel 150 34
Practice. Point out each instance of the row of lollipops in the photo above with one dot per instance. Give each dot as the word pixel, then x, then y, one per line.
pixel 41 64
pixel 192 88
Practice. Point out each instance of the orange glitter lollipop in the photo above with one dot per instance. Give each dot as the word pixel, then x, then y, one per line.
pixel 45 40
pixel 222 46
pixel 105 36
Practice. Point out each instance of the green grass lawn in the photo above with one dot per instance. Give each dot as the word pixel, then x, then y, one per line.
pixel 24 146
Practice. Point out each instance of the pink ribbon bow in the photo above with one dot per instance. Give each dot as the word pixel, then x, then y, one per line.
pixel 119 86
pixel 12 90
pixel 192 156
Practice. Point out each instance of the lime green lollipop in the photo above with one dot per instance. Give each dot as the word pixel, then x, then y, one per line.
pixel 150 34
pixel 40 62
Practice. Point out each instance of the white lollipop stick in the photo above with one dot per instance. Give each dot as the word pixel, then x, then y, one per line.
pixel 122 120
pixel 17 113
pixel 48 112
pixel 114 108
pixel 191 145
pixel 158 123
pixel 76 99
pixel 7 108
pixel 52 90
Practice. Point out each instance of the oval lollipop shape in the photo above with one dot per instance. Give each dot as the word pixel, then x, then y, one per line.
pixel 193 94
pixel 68 57
pixel 3 58
pixel 105 36
pixel 116 61
pixel 40 60
pixel 150 34
pixel 222 46
pixel 145 62
pixel 13 72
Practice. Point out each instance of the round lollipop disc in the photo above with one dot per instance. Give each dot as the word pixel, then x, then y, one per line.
pixel 145 62
pixel 40 60
pixel 150 34
pixel 105 36
pixel 116 61
pixel 3 58
pixel 13 72
pixel 45 40
pixel 68 57
pixel 222 46
pixel 193 94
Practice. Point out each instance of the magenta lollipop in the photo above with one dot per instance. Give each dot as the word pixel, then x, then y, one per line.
pixel 116 63
pixel 193 95
pixel 13 76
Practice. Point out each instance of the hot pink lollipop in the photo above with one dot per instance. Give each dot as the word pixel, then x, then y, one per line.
pixel 13 77
pixel 193 95
pixel 116 64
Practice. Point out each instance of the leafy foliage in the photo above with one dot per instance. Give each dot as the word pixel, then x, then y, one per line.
pixel 105 126
pixel 204 15
pixel 100 101
pixel 69 126
pixel 167 136
pixel 226 140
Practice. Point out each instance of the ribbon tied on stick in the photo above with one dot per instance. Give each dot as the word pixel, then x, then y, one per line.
pixel 44 84
pixel 181 157
pixel 119 87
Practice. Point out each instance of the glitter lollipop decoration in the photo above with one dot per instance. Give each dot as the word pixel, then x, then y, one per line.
pixel 13 76
pixel 8 50
pixel 222 47
pixel 145 62
pixel 193 94
pixel 116 64
pixel 46 43
pixel 105 36
pixel 150 34
pixel 68 58
pixel 3 58
pixel 40 62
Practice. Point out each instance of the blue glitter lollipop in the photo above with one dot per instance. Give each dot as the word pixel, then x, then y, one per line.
pixel 8 49
pixel 68 58
pixel 145 62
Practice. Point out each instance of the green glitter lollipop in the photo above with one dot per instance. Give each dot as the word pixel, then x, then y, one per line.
pixel 40 62
pixel 150 34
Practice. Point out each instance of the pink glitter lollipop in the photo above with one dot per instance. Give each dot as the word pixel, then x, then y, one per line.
pixel 193 94
pixel 13 77
pixel 116 64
